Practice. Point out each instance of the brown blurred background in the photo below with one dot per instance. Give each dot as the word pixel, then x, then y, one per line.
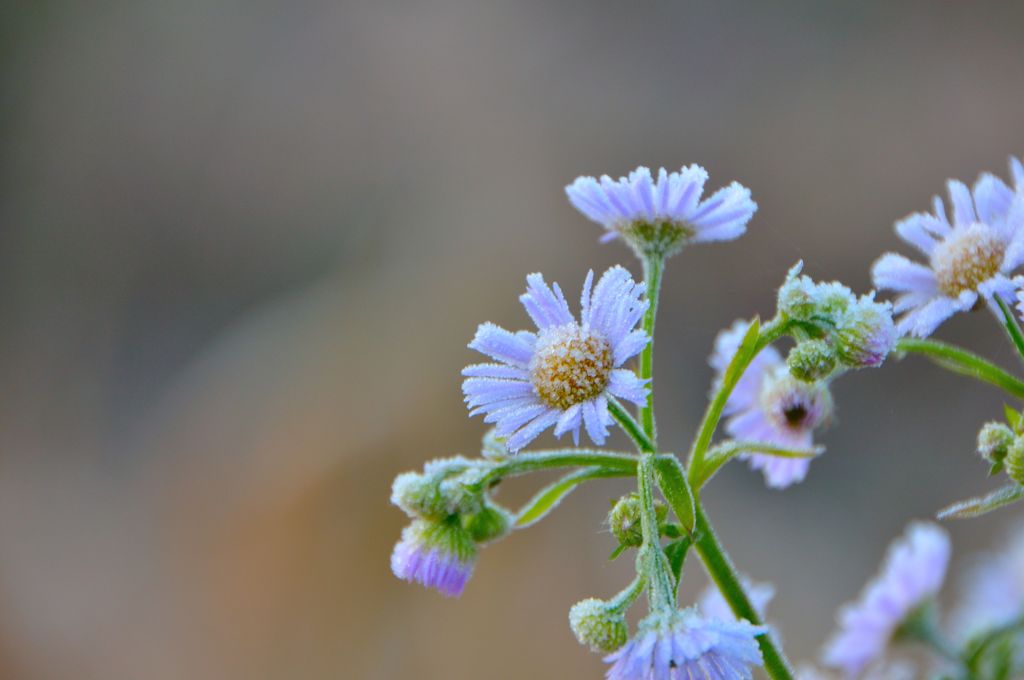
pixel 243 246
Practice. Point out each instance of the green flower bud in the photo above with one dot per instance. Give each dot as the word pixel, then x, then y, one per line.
pixel 797 296
pixel 624 520
pixel 994 441
pixel 491 523
pixel 419 496
pixel 1014 460
pixel 598 625
pixel 811 360
pixel 866 333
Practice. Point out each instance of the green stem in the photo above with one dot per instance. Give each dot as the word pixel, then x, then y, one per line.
pixel 652 562
pixel 959 360
pixel 625 599
pixel 977 650
pixel 725 576
pixel 654 265
pixel 544 460
pixel 767 334
pixel 1011 325
pixel 629 424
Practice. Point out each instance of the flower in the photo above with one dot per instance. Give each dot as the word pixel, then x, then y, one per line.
pixel 991 592
pixel 599 625
pixel 972 256
pixel 681 644
pixel 659 217
pixel 912 574
pixel 714 606
pixel 769 405
pixel 865 333
pixel 563 375
pixel 438 555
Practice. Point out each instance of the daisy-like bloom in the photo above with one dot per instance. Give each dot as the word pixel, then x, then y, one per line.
pixel 714 606
pixel 769 405
pixel 677 645
pixel 991 594
pixel 912 574
pixel 438 555
pixel 658 217
pixel 562 375
pixel 971 257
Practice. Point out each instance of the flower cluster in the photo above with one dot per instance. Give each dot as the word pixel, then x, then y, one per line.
pixel 582 372
pixel 450 516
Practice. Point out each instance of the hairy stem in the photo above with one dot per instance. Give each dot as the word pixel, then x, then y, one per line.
pixel 652 562
pixel 723 573
pixel 653 267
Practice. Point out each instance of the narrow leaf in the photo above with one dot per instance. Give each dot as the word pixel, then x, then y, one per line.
pixel 615 553
pixel 726 451
pixel 975 507
pixel 676 490
pixel 676 553
pixel 743 352
pixel 548 498
pixel 1013 418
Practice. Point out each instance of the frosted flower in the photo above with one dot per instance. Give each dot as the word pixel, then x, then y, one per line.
pixel 991 593
pixel 771 406
pixel 562 375
pixel 660 216
pixel 438 555
pixel 970 258
pixel 912 574
pixel 677 645
pixel 714 606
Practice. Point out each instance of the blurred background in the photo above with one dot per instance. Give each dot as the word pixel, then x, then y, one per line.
pixel 244 244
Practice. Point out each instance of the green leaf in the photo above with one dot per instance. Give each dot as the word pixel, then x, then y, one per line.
pixel 974 507
pixel 676 490
pixel 615 553
pixel 676 553
pixel 726 451
pixel 959 360
pixel 1013 418
pixel 548 498
pixel 739 361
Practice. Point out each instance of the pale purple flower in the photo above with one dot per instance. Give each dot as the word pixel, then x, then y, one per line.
pixel 714 606
pixel 563 375
pixel 884 670
pixel 678 645
pixel 991 592
pixel 663 213
pixel 438 555
pixel 973 256
pixel 769 405
pixel 912 574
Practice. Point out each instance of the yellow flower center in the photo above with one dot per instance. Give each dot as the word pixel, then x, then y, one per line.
pixel 570 366
pixel 967 259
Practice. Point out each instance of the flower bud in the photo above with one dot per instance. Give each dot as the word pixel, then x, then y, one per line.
pixel 448 486
pixel 1014 460
pixel 418 496
pixel 994 441
pixel 624 520
pixel 438 555
pixel 491 523
pixel 865 333
pixel 493 446
pixel 797 296
pixel 598 625
pixel 811 360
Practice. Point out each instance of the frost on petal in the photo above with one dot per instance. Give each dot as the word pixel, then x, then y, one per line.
pixel 895 272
